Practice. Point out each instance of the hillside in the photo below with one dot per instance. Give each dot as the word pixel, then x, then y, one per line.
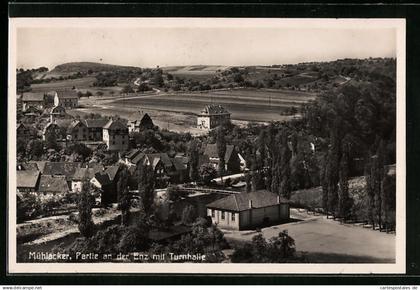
pixel 82 67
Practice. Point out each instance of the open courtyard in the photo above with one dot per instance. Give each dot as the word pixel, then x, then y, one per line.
pixel 328 241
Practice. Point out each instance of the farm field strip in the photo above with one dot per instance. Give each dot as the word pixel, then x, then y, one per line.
pixel 239 111
pixel 186 104
pixel 264 97
pixel 205 99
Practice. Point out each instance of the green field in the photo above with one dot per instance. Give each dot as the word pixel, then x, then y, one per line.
pixel 244 104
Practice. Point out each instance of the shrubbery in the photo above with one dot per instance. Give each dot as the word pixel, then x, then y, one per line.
pixel 280 249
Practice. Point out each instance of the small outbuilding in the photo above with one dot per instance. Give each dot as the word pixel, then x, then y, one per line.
pixel 247 210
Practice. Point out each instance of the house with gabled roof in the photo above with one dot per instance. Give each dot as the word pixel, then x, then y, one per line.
pixel 106 180
pixel 133 157
pixel 247 210
pixel 140 121
pixel 212 116
pixel 53 185
pixel 115 135
pixel 95 128
pixel 66 169
pixel 77 131
pixel 83 174
pixel 67 99
pixel 165 168
pixel 232 160
pixel 33 100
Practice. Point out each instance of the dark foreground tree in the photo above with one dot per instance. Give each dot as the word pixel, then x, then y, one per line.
pixel 124 204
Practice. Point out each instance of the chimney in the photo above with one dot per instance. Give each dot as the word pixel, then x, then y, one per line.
pixel 250 203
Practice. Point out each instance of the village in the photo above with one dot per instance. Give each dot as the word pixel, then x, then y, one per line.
pixel 225 201
pixel 85 177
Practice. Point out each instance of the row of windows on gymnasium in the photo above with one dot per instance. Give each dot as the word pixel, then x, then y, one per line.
pixel 223 215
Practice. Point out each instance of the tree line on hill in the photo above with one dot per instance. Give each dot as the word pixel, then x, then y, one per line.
pixel 316 77
pixel 347 131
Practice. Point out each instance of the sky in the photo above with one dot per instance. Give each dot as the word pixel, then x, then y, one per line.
pixel 171 46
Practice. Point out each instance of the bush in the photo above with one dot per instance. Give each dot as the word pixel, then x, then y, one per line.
pixel 207 173
pixel 133 239
pixel 188 215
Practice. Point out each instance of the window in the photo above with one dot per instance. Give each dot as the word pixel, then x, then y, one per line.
pixel 223 215
pixel 233 216
pixel 212 212
pixel 122 142
pixel 113 142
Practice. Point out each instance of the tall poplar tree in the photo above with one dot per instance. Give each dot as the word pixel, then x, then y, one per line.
pixel 146 187
pixel 345 202
pixel 123 194
pixel 285 187
pixel 85 203
pixel 221 150
pixel 193 161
